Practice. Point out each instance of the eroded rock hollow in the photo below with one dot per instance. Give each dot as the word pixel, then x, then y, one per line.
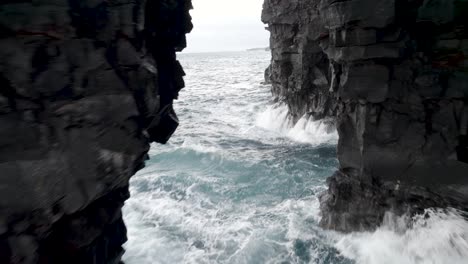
pixel 393 76
pixel 85 87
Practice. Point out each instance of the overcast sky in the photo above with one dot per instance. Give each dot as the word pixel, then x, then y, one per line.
pixel 226 25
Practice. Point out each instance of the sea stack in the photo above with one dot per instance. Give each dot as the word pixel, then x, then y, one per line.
pixel 393 75
pixel 85 87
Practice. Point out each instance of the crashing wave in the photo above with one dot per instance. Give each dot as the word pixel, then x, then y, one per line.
pixel 276 118
pixel 435 237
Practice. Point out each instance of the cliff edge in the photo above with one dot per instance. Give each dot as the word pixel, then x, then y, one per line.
pixel 85 87
pixel 393 76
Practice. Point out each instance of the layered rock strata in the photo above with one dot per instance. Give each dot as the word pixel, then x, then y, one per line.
pixel 85 87
pixel 393 75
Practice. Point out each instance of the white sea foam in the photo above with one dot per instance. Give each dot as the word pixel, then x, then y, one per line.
pixel 277 118
pixel 196 145
pixel 435 237
pixel 205 232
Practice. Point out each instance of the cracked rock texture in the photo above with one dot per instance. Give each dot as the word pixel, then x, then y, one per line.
pixel 85 87
pixel 393 75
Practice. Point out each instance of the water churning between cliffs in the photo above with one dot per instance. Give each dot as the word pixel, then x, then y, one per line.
pixel 239 183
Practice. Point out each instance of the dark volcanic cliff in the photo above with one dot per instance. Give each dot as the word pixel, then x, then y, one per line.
pixel 393 75
pixel 85 86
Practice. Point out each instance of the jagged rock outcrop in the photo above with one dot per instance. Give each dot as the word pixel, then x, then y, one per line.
pixel 85 87
pixel 393 74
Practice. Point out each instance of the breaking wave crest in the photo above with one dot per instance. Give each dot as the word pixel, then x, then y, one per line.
pixel 306 130
pixel 435 237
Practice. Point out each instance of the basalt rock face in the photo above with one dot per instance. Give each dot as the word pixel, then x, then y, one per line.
pixel 393 75
pixel 300 69
pixel 85 87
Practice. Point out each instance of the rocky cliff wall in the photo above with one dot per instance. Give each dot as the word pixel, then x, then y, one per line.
pixel 85 87
pixel 393 75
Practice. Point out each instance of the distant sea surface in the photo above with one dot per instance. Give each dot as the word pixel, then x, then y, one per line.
pixel 239 183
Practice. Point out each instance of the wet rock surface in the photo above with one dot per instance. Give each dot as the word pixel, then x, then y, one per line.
pixel 394 76
pixel 85 87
